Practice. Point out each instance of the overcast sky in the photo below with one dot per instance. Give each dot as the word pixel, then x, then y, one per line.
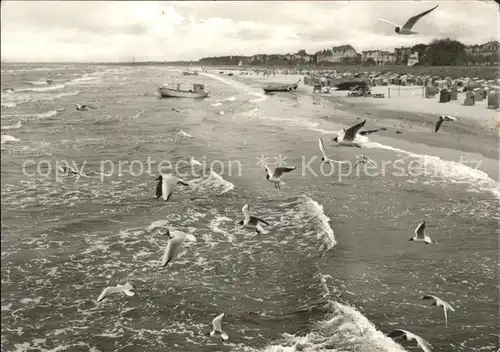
pixel 182 30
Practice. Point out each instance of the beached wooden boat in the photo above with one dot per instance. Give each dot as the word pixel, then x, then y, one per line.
pixel 281 87
pixel 198 91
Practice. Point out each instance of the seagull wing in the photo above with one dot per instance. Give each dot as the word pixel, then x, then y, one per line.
pixel 268 170
pixel 169 183
pixel 420 230
pixel 280 170
pixel 363 133
pixel 322 147
pixel 351 132
pixel 431 297
pixel 438 124
pixel 426 346
pixel 413 20
pixel 262 221
pixel 173 247
pixel 246 212
pixel 159 187
pixel 397 334
pixel 387 21
pixel 105 292
pixel 445 316
pixel 216 323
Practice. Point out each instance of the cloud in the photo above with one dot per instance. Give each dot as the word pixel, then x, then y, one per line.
pixel 183 30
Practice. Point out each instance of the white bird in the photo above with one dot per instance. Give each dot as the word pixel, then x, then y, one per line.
pixel 442 119
pixel 166 184
pixel 217 328
pixel 176 110
pixel 126 289
pixel 349 135
pixel 173 248
pixel 325 158
pixel 401 334
pixel 83 107
pixel 438 302
pixel 406 29
pixel 420 235
pixel 364 160
pixel 251 222
pixel 277 174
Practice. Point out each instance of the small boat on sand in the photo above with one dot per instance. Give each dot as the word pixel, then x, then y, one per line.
pixel 197 91
pixel 281 87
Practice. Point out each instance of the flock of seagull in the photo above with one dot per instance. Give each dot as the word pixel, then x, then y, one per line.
pixel 347 138
pixel 167 182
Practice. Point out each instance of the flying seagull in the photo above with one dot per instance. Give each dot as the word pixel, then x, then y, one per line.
pixel 251 222
pixel 364 160
pixel 406 29
pixel 438 302
pixel 400 334
pixel 84 107
pixel 364 133
pixel 441 119
pixel 126 289
pixel 276 176
pixel 420 234
pixel 349 135
pixel 217 329
pixel 325 158
pixel 166 184
pixel 173 248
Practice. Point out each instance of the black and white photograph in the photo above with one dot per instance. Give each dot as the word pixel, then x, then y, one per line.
pixel 250 176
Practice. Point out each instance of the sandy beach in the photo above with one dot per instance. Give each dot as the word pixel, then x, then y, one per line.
pixel 407 116
pixel 399 98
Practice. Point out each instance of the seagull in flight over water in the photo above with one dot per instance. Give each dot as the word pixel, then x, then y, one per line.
pixel 126 289
pixel 401 334
pixel 349 135
pixel 438 302
pixel 252 222
pixel 276 175
pixel 420 235
pixel 217 328
pixel 406 29
pixel 166 184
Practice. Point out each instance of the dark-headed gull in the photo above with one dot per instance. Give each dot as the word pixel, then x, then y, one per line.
pixel 349 135
pixel 166 184
pixel 406 29
pixel 217 328
pixel 441 119
pixel 126 289
pixel 400 334
pixel 251 222
pixel 420 235
pixel 276 175
pixel 438 302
